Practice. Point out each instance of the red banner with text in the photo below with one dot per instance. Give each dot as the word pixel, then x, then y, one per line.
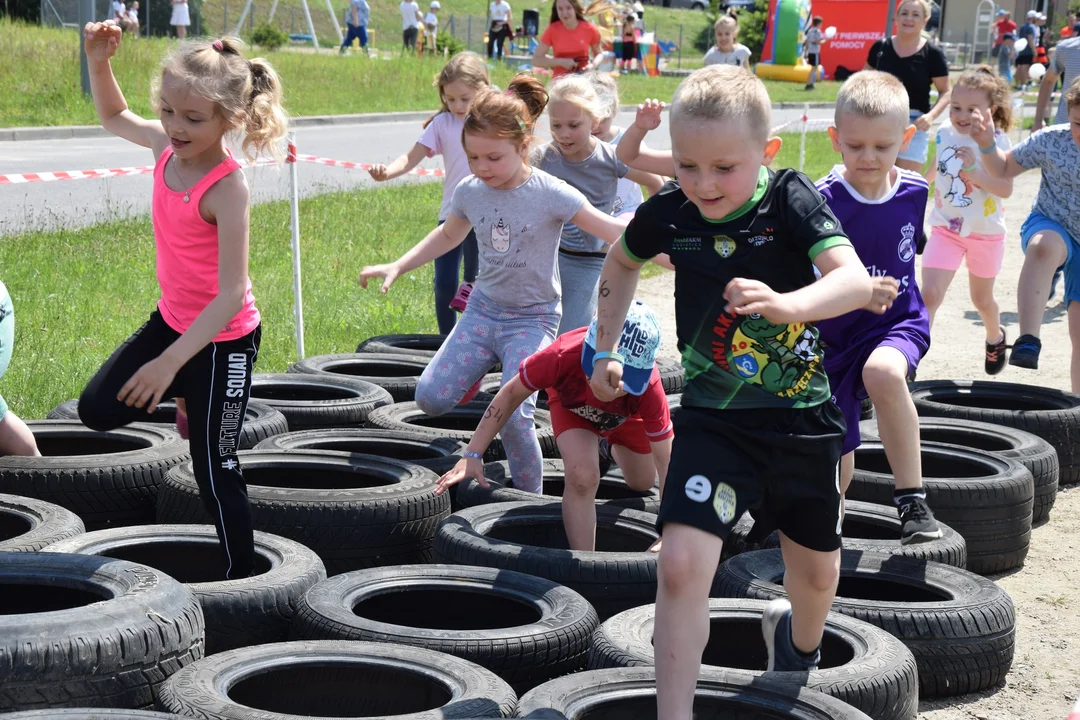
pixel 859 24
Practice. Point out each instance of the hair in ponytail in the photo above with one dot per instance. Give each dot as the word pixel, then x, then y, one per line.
pixel 247 93
pixel 984 79
pixel 509 114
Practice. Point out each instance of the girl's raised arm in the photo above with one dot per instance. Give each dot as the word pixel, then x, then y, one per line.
pixel 102 40
pixel 400 165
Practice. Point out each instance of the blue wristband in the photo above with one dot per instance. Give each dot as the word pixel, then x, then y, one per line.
pixel 607 355
pixel 987 151
pixel 473 455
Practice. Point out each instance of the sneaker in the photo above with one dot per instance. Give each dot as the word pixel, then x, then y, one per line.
pixel 808 87
pixel 182 424
pixel 1025 352
pixel 776 628
pixel 461 299
pixel 471 392
pixel 996 355
pixel 917 521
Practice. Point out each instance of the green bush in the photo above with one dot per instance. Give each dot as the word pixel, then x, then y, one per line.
pixel 445 41
pixel 751 28
pixel 268 37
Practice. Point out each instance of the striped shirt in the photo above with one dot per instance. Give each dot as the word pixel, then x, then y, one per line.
pixel 1066 61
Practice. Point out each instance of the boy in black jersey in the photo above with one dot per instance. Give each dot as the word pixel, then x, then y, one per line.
pixel 757 426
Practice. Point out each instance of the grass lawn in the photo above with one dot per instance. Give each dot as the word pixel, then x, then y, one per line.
pixel 39 80
pixel 79 293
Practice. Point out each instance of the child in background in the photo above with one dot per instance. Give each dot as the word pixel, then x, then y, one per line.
pixel 968 219
pixel 518 213
pixel 431 26
pixel 577 157
pixel 15 436
pixel 201 341
pixel 726 51
pixel 458 82
pixel 628 195
pixel 1051 232
pixel 637 424
pixel 629 43
pixel 812 49
pixel 756 425
pixel 872 351
pixel 1006 53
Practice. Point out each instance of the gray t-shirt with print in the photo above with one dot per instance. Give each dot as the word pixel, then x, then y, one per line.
pixel 597 176
pixel 1053 151
pixel 518 233
pixel 812 41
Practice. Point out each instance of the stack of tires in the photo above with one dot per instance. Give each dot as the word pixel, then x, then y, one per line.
pixel 373 595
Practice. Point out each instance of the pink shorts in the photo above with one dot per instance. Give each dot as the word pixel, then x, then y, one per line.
pixel 945 249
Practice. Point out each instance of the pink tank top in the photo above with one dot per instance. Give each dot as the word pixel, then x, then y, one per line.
pixel 187 254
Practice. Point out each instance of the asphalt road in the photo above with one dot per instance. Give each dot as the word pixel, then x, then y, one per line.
pixel 77 203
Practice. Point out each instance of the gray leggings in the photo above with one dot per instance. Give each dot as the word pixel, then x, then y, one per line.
pixel 579 276
pixel 488 333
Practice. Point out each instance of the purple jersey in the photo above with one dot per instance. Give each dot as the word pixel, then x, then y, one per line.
pixel 884 233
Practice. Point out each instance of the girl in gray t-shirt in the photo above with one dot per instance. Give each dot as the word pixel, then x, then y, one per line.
pixel 518 213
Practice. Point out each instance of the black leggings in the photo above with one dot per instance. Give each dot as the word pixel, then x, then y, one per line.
pixel 216 384
pixel 495 40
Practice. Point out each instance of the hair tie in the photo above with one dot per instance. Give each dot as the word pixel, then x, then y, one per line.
pixel 217 45
pixel 509 91
pixel 522 125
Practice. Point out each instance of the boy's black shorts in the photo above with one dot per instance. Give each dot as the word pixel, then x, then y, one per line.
pixel 787 461
pixel 813 59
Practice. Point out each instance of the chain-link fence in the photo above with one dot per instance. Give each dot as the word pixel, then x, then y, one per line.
pixel 154 15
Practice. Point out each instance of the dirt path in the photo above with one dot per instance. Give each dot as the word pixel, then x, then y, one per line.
pixel 1045 677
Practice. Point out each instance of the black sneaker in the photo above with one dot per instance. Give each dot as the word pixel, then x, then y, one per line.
pixel 1025 352
pixel 776 628
pixel 996 355
pixel 808 87
pixel 917 521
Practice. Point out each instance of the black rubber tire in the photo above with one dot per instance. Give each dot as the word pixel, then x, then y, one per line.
pixel 623 693
pixel 394 372
pixel 260 421
pixel 437 454
pixel 866 410
pixel 876 528
pixel 1053 415
pixel 985 498
pixel 493 381
pixel 344 679
pixel 672 375
pixel 612 581
pixel 237 613
pixel 387 517
pixel 311 402
pixel 99 632
pixel 961 627
pixel 674 402
pixel 459 424
pixel 862 665
pixel 91 714
pixel 29 524
pixel 113 483
pixel 1034 453
pixel 415 344
pixel 525 629
pixel 612 490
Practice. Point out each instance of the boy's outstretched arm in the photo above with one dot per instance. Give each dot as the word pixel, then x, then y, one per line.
pixel 618 281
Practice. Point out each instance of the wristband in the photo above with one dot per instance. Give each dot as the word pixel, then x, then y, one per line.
pixel 473 455
pixel 987 151
pixel 607 355
pixel 969 168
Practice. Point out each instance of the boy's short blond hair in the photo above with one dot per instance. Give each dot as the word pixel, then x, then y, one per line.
pixel 725 21
pixel 1072 95
pixel 724 92
pixel 873 94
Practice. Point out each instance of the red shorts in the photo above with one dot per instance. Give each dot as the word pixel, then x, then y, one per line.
pixel 630 434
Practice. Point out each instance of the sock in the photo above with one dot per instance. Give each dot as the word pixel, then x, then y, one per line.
pixel 899 496
pixel 1001 338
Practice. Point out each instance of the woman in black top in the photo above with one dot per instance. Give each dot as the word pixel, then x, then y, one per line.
pixel 917 63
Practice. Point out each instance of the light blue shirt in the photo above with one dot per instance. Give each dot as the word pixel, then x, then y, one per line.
pixel 363 12
pixel 1053 151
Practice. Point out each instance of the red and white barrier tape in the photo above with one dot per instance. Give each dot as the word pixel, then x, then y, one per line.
pixel 21 178
pixel 798 123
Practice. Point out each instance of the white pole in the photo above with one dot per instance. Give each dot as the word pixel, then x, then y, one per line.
pixel 243 17
pixel 802 140
pixel 294 212
pixel 311 25
pixel 273 9
pixel 334 22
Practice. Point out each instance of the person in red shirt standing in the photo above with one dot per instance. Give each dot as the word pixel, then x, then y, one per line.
pixel 637 423
pixel 1004 25
pixel 571 37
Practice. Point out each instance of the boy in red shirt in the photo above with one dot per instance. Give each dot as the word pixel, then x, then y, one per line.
pixel 637 423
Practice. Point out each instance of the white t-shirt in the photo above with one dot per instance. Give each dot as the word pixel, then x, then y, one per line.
pixel 118 9
pixel 959 205
pixel 408 10
pixel 500 11
pixel 738 54
pixel 133 15
pixel 431 22
pixel 443 137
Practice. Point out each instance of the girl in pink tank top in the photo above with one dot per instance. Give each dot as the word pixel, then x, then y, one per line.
pixel 200 344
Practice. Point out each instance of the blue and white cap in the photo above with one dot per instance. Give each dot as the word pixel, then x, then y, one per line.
pixel 638 344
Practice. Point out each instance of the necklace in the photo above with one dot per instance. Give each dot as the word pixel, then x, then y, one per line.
pixel 176 172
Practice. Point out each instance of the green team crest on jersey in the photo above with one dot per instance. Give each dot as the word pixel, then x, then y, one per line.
pixel 724 246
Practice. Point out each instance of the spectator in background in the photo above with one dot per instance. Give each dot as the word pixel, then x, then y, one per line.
pixel 1005 56
pixel 501 16
pixel 1029 33
pixel 119 13
pixel 133 18
pixel 411 20
pixel 570 37
pixel 812 49
pixel 727 51
pixel 1005 25
pixel 1065 61
pixel 180 18
pixel 431 26
pixel 356 20
pixel 639 10
pixel 1071 20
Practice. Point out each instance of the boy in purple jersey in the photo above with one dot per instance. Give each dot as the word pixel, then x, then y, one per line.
pixel 872 351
